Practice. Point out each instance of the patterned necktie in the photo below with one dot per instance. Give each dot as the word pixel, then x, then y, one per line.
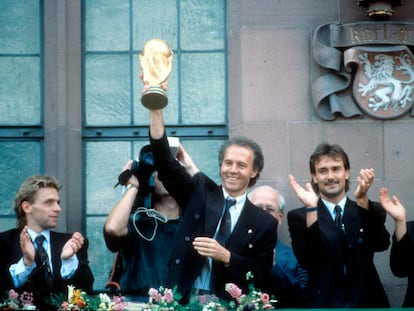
pixel 44 258
pixel 225 225
pixel 338 217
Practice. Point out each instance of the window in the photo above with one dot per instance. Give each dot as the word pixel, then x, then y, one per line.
pixel 115 122
pixel 21 99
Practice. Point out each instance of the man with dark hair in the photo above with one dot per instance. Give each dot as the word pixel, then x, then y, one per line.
pixel 335 238
pixel 53 263
pixel 200 264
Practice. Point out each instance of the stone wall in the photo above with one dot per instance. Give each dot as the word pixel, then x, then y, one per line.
pixel 271 72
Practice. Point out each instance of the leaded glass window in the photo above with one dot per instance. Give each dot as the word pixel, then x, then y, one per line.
pixel 21 102
pixel 115 122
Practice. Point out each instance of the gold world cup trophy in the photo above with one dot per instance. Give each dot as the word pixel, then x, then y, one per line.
pixel 156 60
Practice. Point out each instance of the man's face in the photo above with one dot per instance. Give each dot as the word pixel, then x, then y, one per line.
pixel 237 169
pixel 268 200
pixel 331 176
pixel 43 213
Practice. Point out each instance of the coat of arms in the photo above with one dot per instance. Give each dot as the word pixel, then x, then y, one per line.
pixel 384 80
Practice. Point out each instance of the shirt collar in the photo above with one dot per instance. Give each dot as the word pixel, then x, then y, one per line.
pixel 240 200
pixel 33 234
pixel 331 206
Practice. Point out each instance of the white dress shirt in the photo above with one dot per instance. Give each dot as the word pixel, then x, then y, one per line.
pixel 20 272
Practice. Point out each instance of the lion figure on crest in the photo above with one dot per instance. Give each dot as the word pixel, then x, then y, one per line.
pixel 387 90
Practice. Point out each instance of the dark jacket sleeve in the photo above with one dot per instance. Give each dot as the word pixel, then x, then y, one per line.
pixel 83 277
pixel 402 253
pixel 255 255
pixel 307 243
pixel 6 255
pixel 173 175
pixel 375 231
pixel 259 265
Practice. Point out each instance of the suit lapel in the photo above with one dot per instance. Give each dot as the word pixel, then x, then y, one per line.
pixel 326 223
pixel 214 209
pixel 324 215
pixel 244 229
pixel 352 221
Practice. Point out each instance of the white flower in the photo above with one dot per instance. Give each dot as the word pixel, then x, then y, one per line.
pixel 71 290
pixel 104 298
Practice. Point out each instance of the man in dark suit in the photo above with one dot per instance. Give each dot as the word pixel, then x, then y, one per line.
pixel 60 259
pixel 335 238
pixel 402 250
pixel 200 264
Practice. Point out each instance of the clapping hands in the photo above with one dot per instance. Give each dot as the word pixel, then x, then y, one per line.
pixel 306 195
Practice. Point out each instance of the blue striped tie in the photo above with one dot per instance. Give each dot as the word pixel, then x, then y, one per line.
pixel 44 259
pixel 338 217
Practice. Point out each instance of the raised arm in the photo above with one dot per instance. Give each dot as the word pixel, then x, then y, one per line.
pixel 365 180
pixel 116 224
pixel 185 160
pixel 396 210
pixel 308 197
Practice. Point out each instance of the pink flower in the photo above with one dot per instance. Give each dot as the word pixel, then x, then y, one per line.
pixel 119 303
pixel 203 299
pixel 233 290
pixel 118 299
pixel 240 299
pixel 265 298
pixel 26 298
pixel 13 294
pixel 168 295
pixel 154 294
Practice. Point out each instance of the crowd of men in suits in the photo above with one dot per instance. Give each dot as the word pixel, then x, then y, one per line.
pixel 334 238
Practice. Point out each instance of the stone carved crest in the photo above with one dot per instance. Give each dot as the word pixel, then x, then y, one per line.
pixel 366 69
pixel 384 81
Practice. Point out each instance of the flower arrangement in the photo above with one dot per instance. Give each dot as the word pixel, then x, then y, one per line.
pixel 14 301
pixel 163 299
pixel 166 299
pixel 254 300
pixel 79 300
pixel 209 303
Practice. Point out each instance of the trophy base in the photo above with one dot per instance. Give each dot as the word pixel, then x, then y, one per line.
pixel 154 98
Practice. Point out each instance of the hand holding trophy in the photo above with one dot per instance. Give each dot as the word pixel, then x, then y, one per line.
pixel 156 60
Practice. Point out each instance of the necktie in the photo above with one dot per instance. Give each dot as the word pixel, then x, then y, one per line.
pixel 44 259
pixel 338 217
pixel 225 225
pixel 339 227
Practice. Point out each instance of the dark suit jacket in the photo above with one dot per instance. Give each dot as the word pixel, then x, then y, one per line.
pixel 327 253
pixel 402 261
pixel 11 253
pixel 251 243
pixel 287 280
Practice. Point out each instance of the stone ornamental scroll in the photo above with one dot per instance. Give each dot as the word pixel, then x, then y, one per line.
pixel 368 69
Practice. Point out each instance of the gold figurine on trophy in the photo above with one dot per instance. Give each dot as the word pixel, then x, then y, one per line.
pixel 156 61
